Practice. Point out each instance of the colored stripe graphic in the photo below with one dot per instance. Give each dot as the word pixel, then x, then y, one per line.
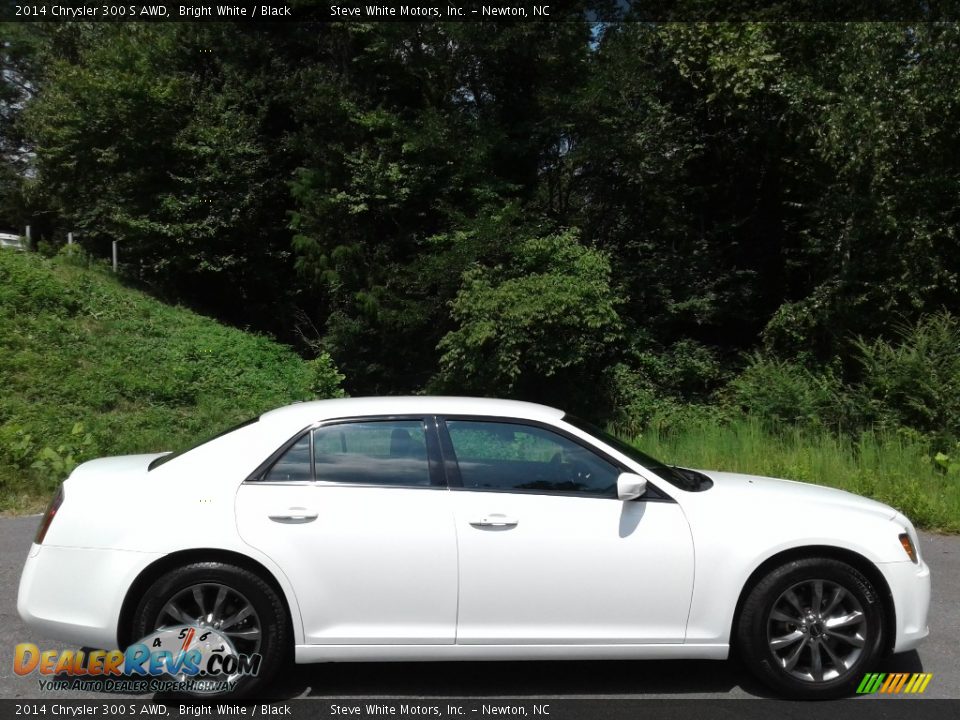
pixel 894 683
pixel 891 680
pixel 903 679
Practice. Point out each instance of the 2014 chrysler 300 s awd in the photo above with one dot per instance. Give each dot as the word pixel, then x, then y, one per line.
pixel 440 528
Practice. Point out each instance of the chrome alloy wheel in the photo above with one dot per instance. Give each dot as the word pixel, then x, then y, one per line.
pixel 215 606
pixel 817 630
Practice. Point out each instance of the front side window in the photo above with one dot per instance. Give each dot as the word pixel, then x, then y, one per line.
pixel 524 458
pixel 689 480
pixel 388 452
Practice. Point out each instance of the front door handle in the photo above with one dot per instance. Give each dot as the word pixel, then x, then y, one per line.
pixel 494 520
pixel 294 515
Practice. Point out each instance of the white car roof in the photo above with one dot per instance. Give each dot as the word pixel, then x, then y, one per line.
pixel 313 411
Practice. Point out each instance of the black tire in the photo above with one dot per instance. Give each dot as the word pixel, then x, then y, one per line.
pixel 274 638
pixel 762 622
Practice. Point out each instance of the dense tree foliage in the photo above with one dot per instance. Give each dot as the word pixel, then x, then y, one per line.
pixel 543 325
pixel 18 68
pixel 518 209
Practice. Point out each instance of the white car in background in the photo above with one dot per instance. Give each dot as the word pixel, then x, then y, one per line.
pixel 12 242
pixel 441 528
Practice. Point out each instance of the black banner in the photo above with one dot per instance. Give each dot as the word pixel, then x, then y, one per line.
pixel 492 11
pixel 471 708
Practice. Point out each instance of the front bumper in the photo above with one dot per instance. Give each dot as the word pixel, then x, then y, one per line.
pixel 75 594
pixel 910 586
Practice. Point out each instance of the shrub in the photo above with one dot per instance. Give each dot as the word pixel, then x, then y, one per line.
pixel 324 380
pixel 686 370
pixel 913 380
pixel 46 248
pixel 75 255
pixel 542 326
pixel 783 392
pixel 661 384
pixel 634 400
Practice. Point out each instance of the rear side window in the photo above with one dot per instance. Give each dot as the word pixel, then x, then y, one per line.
pixel 387 452
pixel 523 458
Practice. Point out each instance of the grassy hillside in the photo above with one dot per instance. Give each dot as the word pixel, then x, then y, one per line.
pixel 89 367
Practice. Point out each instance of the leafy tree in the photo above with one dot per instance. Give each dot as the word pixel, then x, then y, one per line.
pixel 880 239
pixel 415 137
pixel 689 167
pixel 713 188
pixel 164 138
pixel 18 52
pixel 542 325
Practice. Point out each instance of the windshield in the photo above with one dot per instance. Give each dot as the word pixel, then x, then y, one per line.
pixel 170 456
pixel 661 470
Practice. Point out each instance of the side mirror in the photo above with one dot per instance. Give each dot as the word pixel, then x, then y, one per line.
pixel 630 486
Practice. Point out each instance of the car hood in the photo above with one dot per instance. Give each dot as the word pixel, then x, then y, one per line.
pixel 121 465
pixel 755 489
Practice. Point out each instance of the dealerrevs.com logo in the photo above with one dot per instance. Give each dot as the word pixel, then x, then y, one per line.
pixel 184 658
pixel 894 683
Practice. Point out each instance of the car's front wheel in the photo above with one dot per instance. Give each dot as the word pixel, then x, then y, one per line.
pixel 197 606
pixel 811 628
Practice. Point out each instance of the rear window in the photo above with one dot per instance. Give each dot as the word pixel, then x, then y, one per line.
pixel 170 456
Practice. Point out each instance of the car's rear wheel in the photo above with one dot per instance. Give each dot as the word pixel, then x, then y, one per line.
pixel 811 628
pixel 234 603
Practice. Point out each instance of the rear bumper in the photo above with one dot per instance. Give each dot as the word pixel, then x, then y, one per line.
pixel 910 587
pixel 75 594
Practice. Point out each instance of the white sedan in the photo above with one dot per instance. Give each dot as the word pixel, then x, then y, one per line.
pixel 440 528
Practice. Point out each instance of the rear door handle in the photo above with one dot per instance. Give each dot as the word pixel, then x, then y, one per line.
pixel 294 515
pixel 494 520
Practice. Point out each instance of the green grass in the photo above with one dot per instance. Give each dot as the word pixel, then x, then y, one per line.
pixel 894 468
pixel 89 367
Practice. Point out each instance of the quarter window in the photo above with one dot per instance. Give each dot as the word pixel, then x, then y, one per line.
pixel 294 464
pixel 524 458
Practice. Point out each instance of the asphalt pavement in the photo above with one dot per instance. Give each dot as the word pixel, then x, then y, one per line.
pixel 675 679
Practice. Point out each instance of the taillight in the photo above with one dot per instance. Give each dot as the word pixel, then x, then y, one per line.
pixel 49 515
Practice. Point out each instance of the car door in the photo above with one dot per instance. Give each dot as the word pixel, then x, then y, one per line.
pixel 547 552
pixel 359 519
